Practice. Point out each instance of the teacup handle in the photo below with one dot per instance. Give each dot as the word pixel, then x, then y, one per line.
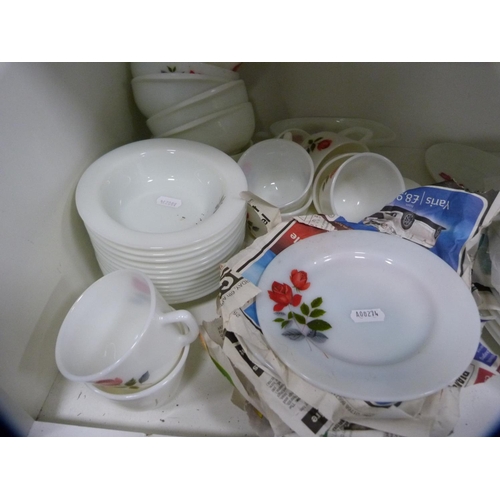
pixel 365 133
pixel 185 317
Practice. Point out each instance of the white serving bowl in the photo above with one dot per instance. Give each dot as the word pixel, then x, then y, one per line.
pixel 280 172
pixel 154 93
pixel 363 184
pixel 153 397
pixel 161 193
pixel 227 130
pixel 199 68
pixel 216 99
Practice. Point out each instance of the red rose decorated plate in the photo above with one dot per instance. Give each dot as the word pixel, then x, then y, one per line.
pixel 368 315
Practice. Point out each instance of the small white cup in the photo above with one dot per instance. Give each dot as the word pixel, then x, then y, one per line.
pixel 325 145
pixel 121 333
pixel 280 172
pixel 362 185
pixel 322 183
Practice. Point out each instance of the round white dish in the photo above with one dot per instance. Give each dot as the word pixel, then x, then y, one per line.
pixel 313 125
pixel 477 170
pixel 161 193
pixel 379 318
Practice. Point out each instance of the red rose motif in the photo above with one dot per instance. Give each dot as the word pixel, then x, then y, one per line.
pixel 325 143
pixel 282 294
pixel 299 280
pixel 110 381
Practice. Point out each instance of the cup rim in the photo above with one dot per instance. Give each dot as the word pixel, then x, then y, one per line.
pixel 387 162
pixel 101 374
pixel 318 177
pixel 299 201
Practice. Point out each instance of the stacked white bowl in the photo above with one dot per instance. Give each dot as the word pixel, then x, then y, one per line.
pixel 201 102
pixel 170 208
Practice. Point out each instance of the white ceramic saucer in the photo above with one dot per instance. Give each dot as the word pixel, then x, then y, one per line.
pixel 372 317
pixel 472 167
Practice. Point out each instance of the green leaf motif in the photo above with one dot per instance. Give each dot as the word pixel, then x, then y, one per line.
pixel 285 323
pixel 319 325
pixel 304 309
pixel 316 313
pixel 316 302
pixel 131 382
pixel 299 319
pixel 278 320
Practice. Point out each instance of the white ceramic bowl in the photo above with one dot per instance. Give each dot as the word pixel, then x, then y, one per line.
pixel 153 397
pixel 280 172
pixel 154 93
pixel 363 184
pixel 228 130
pixel 199 68
pixel 216 99
pixel 161 193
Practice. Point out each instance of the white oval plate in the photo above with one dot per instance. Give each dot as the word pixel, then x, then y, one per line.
pixel 477 170
pixel 313 125
pixel 382 318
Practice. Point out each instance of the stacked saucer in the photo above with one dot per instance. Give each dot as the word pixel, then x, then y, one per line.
pixel 170 208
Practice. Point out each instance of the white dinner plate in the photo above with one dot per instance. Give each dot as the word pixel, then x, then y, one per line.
pixel 477 170
pixel 380 318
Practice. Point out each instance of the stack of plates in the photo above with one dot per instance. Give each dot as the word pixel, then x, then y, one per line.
pixel 170 208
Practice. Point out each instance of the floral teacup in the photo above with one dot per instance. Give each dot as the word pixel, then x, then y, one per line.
pixel 323 146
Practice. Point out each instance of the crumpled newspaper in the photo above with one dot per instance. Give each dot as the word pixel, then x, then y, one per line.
pixel 281 403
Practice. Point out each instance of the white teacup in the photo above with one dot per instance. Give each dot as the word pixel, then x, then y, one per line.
pixel 121 333
pixel 322 183
pixel 362 185
pixel 324 145
pixel 280 172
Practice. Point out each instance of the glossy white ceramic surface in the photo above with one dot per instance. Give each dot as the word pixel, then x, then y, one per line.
pixel 323 146
pixel 216 99
pixel 153 397
pixel 278 171
pixel 320 195
pixel 149 68
pixel 121 333
pixel 153 93
pixel 228 130
pixel 189 191
pixel 363 184
pixel 377 317
pixel 380 133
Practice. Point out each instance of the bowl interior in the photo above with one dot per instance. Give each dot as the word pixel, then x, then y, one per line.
pixel 161 197
pixel 363 185
pixel 277 170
